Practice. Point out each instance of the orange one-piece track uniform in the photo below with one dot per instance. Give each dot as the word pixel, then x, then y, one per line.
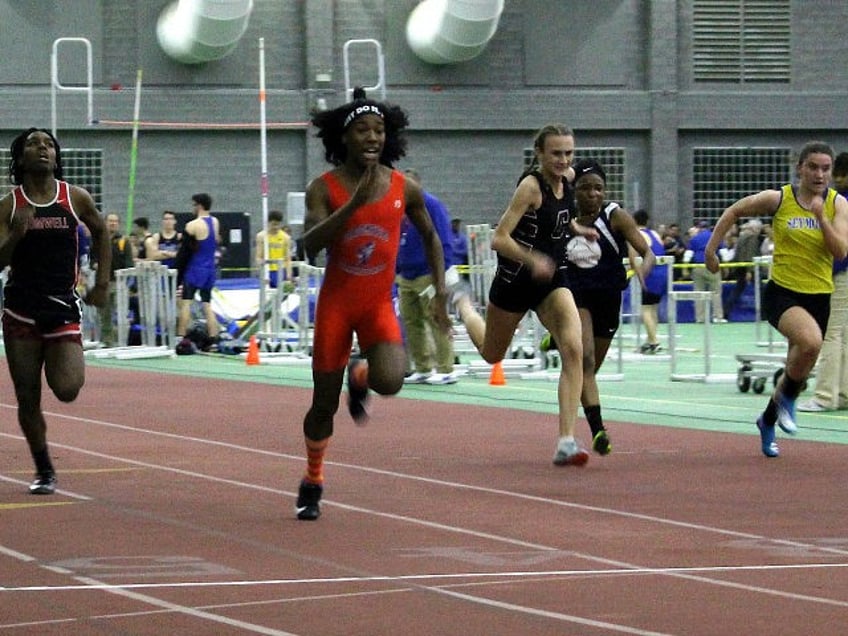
pixel 356 294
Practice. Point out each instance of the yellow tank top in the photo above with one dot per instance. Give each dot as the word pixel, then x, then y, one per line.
pixel 278 247
pixel 802 263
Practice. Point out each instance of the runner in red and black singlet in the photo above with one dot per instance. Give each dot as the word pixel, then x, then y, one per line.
pixel 41 318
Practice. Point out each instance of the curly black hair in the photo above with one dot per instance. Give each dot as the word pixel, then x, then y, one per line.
pixel 331 127
pixel 16 172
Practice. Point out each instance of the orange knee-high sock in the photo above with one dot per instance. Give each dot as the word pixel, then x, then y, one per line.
pixel 315 459
pixel 360 374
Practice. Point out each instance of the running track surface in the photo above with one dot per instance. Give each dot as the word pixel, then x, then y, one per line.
pixel 175 516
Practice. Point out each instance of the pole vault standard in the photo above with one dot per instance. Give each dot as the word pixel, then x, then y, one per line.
pixel 263 186
pixel 134 152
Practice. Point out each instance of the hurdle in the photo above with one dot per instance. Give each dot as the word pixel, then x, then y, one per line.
pixel 761 262
pixel 156 293
pixel 707 376
pixel 275 325
pixel 295 331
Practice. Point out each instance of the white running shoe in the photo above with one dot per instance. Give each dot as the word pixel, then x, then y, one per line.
pixel 570 453
pixel 441 378
pixel 786 415
pixel 417 378
pixel 812 406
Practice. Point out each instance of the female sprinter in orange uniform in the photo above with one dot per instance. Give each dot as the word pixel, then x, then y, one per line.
pixel 355 212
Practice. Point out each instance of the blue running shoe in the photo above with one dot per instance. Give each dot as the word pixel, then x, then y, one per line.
pixel 769 446
pixel 786 414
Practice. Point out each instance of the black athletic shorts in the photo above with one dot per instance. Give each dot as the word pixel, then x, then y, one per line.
pixel 777 299
pixel 522 293
pixel 650 298
pixel 28 315
pixel 604 305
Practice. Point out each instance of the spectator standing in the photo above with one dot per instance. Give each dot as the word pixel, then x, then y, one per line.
pixel 354 211
pixel 674 246
pixel 197 275
pixel 702 278
pixel 273 246
pixel 138 237
pixel 163 245
pixel 529 239
pixel 121 258
pixel 747 247
pixel 767 243
pixel 832 372
pixel 42 314
pixel 810 230
pixel 429 346
pixel 654 285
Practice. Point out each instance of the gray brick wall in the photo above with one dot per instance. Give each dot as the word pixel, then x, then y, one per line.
pixel 614 70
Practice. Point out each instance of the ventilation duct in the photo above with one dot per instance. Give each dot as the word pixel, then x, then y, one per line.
pixel 451 31
pixel 197 31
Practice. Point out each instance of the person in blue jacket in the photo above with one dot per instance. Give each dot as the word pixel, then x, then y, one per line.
pixel 429 346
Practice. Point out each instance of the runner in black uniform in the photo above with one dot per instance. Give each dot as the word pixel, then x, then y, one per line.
pixel 41 317
pixel 596 278
pixel 527 239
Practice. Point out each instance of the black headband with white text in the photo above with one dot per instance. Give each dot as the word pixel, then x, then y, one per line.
pixel 359 111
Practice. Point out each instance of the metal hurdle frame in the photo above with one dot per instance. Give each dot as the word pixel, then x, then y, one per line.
pixel 307 286
pixel 156 289
pixel 157 303
pixel 482 264
pixel 278 326
pixel 761 262
pixel 309 281
pixel 707 376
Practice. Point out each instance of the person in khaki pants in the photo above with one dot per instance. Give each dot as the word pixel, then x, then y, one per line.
pixel 429 347
pixel 832 372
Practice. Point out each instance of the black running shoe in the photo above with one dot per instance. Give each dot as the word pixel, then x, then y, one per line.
pixel 308 506
pixel 43 484
pixel 357 394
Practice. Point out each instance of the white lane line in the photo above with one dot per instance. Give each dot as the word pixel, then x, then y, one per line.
pixel 94 584
pixel 435 576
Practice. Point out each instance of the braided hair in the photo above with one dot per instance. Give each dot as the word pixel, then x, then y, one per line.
pixel 16 171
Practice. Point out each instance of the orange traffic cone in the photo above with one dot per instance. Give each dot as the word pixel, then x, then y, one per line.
pixel 253 351
pixel 496 378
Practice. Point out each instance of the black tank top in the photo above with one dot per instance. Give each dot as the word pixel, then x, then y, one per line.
pixel 543 229
pixel 169 245
pixel 45 261
pixel 598 264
